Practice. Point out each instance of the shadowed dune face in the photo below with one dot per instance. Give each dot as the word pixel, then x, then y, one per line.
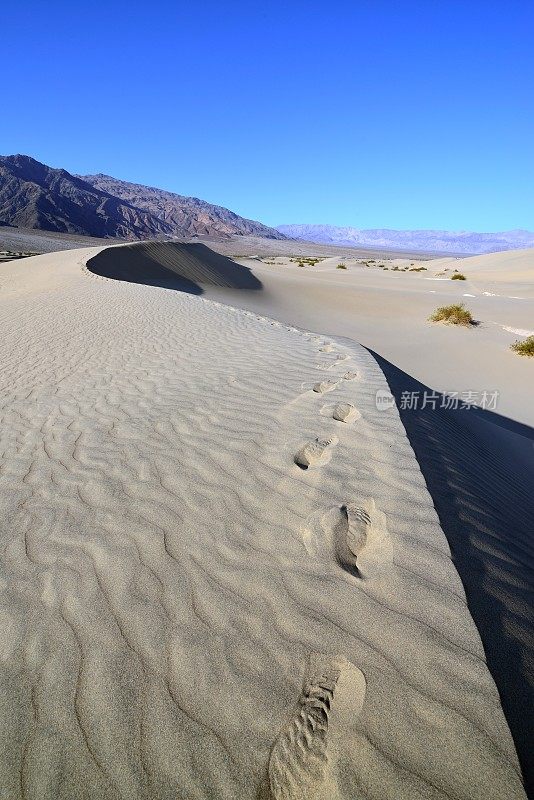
pixel 172 265
pixel 484 503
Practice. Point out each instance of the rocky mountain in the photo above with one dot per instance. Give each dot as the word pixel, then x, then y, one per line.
pixel 189 214
pixel 457 242
pixel 33 195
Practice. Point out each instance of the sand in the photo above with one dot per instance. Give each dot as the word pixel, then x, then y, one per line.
pixel 388 312
pixel 218 582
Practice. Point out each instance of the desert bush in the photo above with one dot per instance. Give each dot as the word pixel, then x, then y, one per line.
pixel 458 277
pixel 304 261
pixel 524 347
pixel 453 315
pixel 341 266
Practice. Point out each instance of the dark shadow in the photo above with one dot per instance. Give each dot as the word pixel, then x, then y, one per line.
pixel 483 496
pixel 172 265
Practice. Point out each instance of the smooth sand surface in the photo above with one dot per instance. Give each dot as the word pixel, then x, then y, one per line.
pixel 388 312
pixel 212 585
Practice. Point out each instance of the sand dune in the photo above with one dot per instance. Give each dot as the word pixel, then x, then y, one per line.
pixel 186 267
pixel 512 266
pixel 388 311
pixel 189 609
pixel 479 466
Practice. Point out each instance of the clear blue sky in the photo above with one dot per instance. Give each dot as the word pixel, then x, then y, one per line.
pixel 378 113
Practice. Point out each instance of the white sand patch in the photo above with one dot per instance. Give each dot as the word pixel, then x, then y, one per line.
pixel 517 331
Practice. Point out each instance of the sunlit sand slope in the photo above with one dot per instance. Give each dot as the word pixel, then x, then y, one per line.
pixel 222 574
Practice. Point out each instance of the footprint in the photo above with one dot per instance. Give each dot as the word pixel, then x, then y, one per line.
pixel 350 376
pixel 324 386
pixel 302 761
pixel 346 412
pixel 360 539
pixel 326 348
pixel 332 364
pixel 316 453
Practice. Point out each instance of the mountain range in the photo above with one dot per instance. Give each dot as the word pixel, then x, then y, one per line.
pixel 461 242
pixel 34 195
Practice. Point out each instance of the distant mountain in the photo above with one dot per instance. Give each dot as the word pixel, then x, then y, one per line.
pixel 33 195
pixel 183 214
pixel 428 241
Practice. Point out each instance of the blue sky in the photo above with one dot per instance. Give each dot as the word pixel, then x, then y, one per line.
pixel 372 114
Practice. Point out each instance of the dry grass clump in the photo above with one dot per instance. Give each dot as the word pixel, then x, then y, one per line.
pixel 458 276
pixel 453 315
pixel 306 262
pixel 524 347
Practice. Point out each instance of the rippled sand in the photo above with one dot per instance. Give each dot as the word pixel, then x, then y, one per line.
pixel 192 608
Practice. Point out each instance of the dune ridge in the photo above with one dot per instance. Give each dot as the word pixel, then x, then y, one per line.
pixel 172 586
pixel 175 265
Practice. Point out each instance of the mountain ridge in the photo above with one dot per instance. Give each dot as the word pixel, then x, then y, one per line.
pixel 193 215
pixel 457 242
pixel 35 195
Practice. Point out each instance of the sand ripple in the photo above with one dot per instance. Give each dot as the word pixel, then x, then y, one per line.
pixel 168 577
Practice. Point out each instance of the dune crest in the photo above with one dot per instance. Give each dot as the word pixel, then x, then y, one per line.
pixel 166 570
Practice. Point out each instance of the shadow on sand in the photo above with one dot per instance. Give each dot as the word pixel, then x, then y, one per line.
pixel 172 265
pixel 483 497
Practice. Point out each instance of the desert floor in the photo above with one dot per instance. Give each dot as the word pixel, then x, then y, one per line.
pixel 225 572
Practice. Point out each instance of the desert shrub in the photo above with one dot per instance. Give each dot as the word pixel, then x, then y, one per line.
pixel 341 266
pixel 524 347
pixel 304 261
pixel 418 269
pixel 453 315
pixel 458 277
